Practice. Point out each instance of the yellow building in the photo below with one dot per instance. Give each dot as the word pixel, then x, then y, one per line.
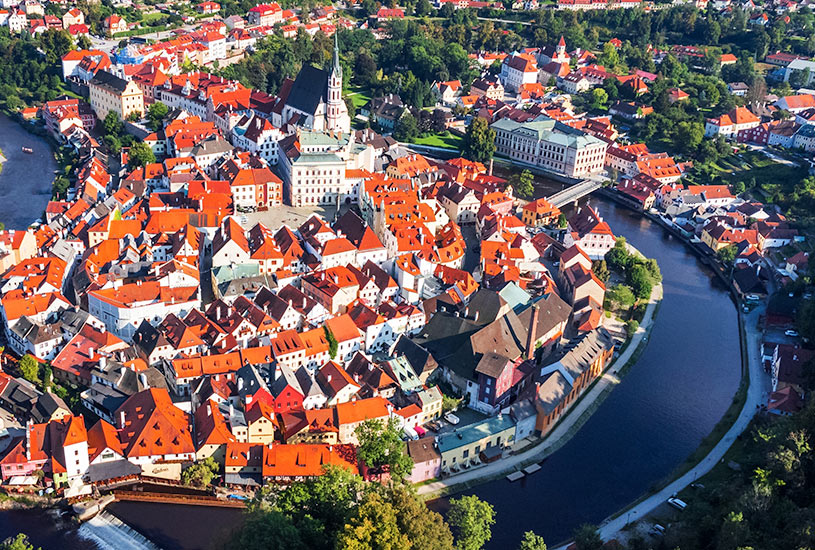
pixel 109 93
pixel 483 441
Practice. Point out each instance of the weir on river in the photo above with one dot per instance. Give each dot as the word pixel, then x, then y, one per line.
pixel 110 533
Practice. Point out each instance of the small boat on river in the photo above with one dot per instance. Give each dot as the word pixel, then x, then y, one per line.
pixel 28 150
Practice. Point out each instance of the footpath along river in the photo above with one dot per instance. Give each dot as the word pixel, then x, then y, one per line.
pixel 668 402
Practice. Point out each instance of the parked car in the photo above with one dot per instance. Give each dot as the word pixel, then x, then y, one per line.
pixel 792 333
pixel 452 419
pixel 657 529
pixel 676 503
pixel 697 485
pixel 752 298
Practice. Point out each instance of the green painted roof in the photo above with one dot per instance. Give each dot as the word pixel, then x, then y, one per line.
pixel 474 432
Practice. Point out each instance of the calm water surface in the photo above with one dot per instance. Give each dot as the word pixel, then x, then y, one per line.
pixel 25 181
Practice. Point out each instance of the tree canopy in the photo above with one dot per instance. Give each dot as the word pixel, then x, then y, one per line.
pixel 381 448
pixel 479 141
pixel 471 520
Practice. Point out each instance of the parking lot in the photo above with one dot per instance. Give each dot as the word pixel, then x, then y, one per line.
pixel 466 417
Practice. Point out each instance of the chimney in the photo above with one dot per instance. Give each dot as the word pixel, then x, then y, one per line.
pixel 490 172
pixel 90 354
pixel 209 409
pixel 533 328
pixel 122 420
pixel 102 362
pixel 143 380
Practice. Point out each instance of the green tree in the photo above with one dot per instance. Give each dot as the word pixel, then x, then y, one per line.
pixel 654 272
pixel 333 345
pixel 531 541
pixel 112 124
pixel 586 537
pixel 562 222
pixel 84 43
pixel 471 521
pixel 268 530
pixel 424 528
pixel 140 154
pixel 201 473
pixel 113 143
pixel 739 187
pixel 381 448
pixel 621 295
pixel 727 255
pixel 155 115
pixel 640 281
pixel 617 257
pixel 599 98
pixel 523 184
pixel 60 187
pixel 479 141
pixel 17 542
pixel 319 507
pixel 406 129
pixel 29 368
pixel 631 327
pixel 688 136
pixel 374 526
pixel 55 44
pixel 600 269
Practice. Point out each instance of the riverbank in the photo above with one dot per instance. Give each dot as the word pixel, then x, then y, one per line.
pixel 756 394
pixel 752 392
pixel 565 428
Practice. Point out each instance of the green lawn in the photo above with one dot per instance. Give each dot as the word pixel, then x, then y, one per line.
pixel 449 141
pixel 358 96
pixel 150 17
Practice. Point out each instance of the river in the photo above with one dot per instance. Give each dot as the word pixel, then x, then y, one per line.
pixel 667 403
pixel 25 180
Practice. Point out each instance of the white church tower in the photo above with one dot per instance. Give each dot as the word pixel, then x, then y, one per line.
pixel 337 118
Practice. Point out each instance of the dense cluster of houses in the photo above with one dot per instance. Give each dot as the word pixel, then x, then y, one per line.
pixel 193 333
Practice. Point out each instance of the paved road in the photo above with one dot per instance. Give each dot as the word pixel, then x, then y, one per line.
pixel 567 427
pixel 757 394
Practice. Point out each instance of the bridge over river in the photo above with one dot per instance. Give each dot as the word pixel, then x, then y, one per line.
pixel 573 193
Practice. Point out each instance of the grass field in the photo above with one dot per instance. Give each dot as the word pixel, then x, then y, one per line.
pixel 150 17
pixel 358 96
pixel 449 141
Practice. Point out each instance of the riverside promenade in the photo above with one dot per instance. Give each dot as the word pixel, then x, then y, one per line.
pixel 566 427
pixel 757 392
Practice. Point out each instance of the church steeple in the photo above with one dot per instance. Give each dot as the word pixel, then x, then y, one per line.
pixel 337 68
pixel 336 111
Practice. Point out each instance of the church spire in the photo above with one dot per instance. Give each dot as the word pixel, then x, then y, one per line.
pixel 337 69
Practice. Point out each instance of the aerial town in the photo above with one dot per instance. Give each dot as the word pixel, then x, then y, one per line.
pixel 281 237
